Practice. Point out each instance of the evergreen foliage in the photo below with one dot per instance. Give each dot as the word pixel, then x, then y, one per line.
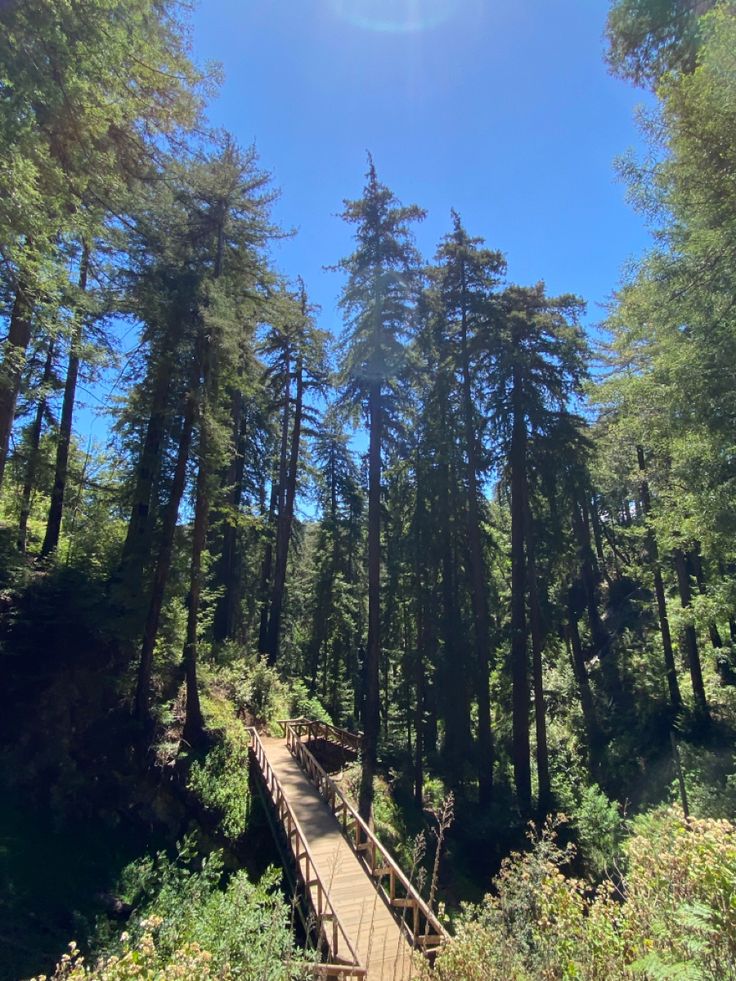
pixel 521 586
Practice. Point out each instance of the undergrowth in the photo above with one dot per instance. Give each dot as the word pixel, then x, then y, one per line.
pixel 189 921
pixel 672 915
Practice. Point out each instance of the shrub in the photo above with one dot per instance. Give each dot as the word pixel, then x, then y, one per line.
pixel 598 824
pixel 220 778
pixel 255 689
pixel 220 781
pixel 599 827
pixel 258 690
pixel 710 780
pixel 302 704
pixel 673 917
pixel 681 894
pixel 186 924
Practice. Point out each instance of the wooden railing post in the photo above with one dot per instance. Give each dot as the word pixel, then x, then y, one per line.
pixel 369 850
pixel 309 873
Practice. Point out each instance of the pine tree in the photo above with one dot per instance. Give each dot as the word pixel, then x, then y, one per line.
pixel 376 301
pixel 297 350
pixel 537 364
pixel 466 278
pixel 225 227
pixel 97 89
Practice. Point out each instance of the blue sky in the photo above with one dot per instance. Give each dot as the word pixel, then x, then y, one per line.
pixel 502 110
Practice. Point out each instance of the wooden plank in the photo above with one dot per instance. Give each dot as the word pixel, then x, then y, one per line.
pixel 377 938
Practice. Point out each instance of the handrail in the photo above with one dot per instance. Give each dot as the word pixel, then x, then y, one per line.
pixel 425 931
pixel 345 739
pixel 349 967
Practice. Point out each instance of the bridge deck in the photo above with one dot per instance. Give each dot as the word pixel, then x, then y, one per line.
pixel 376 936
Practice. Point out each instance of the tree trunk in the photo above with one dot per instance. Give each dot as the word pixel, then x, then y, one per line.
pixel 454 683
pixel 193 730
pixel 599 634
pixel 11 370
pixel 478 578
pixel 276 515
pixel 371 719
pixel 283 538
pixel 690 640
pixel 267 568
pixel 136 549
pixel 419 717
pixel 664 623
pixel 520 700
pixel 601 640
pixel 225 623
pixel 535 620
pixel 56 507
pixel 34 441
pixel 163 563
pixel 194 723
pixel 664 629
pixel 583 682
pixel 697 564
pixel 595 522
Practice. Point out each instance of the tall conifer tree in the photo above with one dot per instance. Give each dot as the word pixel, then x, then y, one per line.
pixel 382 277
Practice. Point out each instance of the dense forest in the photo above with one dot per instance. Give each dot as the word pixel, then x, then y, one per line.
pixel 502 551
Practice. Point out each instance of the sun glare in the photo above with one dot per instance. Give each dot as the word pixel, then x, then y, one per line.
pixel 395 16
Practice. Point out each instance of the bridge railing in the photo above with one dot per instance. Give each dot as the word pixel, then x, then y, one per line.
pixel 352 741
pixel 345 964
pixel 424 929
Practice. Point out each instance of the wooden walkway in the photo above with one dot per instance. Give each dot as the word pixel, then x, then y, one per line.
pixel 367 930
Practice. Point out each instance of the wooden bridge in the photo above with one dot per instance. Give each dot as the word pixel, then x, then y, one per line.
pixel 367 918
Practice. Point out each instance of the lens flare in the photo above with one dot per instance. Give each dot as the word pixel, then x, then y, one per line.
pixel 395 16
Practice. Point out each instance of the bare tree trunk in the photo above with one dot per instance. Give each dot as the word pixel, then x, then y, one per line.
pixel 224 625
pixel 595 522
pixel 56 507
pixel 697 564
pixel 419 717
pixel 602 646
pixel 599 634
pixel 267 568
pixel 454 686
pixel 583 682
pixel 193 730
pixel 11 370
pixel 276 512
pixel 34 441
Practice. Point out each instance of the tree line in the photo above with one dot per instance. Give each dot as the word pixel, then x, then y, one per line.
pixel 531 546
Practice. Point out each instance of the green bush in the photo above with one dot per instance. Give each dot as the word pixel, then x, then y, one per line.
pixel 302 704
pixel 674 916
pixel 710 781
pixel 598 824
pixel 189 924
pixel 220 781
pixel 255 688
pixel 220 778
pixel 599 827
pixel 258 691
